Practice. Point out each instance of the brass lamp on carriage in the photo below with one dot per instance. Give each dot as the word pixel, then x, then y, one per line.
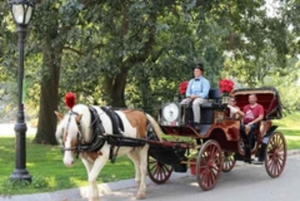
pixel 226 87
pixel 22 11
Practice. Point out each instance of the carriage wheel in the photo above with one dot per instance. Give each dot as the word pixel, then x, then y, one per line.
pixel 209 165
pixel 228 162
pixel 158 172
pixel 275 155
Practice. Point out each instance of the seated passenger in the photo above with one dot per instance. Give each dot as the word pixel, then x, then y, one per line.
pixel 235 112
pixel 254 113
pixel 197 92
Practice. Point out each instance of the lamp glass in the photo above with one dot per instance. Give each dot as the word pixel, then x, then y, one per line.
pixel 22 13
pixel 29 10
pixel 18 13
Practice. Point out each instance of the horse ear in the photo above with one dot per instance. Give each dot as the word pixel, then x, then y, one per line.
pixel 78 118
pixel 59 115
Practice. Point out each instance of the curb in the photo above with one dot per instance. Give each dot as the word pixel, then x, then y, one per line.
pixel 104 188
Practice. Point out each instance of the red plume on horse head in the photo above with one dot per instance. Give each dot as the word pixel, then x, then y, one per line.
pixel 70 100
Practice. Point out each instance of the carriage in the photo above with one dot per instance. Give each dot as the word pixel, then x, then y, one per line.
pixel 218 144
pixel 98 134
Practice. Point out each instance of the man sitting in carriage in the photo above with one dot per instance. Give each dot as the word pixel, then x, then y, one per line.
pixel 197 93
pixel 254 114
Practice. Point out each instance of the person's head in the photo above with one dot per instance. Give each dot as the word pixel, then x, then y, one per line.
pixel 198 70
pixel 252 99
pixel 232 102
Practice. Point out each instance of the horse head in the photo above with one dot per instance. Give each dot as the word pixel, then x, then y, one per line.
pixel 69 134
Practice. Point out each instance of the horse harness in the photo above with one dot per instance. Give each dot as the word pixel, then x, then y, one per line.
pixel 99 136
pixel 97 140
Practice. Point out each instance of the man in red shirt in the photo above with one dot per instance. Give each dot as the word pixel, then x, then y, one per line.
pixel 254 113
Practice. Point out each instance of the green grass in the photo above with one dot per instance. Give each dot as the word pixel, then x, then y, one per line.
pixel 49 173
pixel 290 127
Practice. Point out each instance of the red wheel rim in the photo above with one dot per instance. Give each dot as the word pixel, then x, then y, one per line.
pixel 275 155
pixel 228 162
pixel 209 165
pixel 158 172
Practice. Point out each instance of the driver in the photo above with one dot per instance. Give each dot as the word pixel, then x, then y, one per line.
pixel 197 92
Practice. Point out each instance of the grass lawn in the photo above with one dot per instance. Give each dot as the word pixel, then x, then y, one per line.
pixel 45 164
pixel 49 173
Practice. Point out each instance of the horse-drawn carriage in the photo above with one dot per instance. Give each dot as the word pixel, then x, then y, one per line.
pixel 218 143
pixel 98 134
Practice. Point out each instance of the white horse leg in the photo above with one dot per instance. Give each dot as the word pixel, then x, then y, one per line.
pixel 143 168
pixel 93 174
pixel 88 166
pixel 134 157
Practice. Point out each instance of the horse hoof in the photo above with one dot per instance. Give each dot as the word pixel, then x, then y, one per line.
pixel 141 196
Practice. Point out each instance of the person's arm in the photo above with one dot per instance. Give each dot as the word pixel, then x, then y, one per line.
pixel 189 90
pixel 240 113
pixel 260 116
pixel 206 88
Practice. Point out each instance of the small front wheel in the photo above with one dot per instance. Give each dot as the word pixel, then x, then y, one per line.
pixel 158 172
pixel 228 162
pixel 209 165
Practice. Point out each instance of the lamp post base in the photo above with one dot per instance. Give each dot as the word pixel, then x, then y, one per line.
pixel 20 175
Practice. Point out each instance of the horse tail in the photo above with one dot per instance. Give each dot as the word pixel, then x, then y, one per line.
pixel 155 126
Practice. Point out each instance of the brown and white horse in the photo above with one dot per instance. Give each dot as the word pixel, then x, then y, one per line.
pixel 76 129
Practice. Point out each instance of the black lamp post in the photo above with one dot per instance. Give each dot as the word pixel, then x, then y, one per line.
pixel 22 11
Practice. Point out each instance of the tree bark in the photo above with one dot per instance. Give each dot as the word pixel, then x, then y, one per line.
pixel 118 93
pixel 49 94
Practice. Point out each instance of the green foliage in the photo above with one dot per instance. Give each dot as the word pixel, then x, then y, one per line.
pixel 135 53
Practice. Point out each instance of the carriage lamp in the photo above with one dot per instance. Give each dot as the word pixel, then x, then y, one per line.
pixel 22 11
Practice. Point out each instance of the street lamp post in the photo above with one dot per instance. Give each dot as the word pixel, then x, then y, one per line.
pixel 22 11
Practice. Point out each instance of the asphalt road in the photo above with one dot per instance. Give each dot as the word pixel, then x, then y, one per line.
pixel 244 183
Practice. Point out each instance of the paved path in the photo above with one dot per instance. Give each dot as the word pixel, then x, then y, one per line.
pixel 7 129
pixel 243 183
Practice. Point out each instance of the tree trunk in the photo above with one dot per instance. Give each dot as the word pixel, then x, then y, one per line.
pixel 49 94
pixel 117 95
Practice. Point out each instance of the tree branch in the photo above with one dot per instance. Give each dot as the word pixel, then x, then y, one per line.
pixel 73 50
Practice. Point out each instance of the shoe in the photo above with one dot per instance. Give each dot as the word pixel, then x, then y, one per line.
pixel 197 126
pixel 257 162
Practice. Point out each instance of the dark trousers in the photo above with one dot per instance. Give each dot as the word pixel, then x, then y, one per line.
pixel 248 138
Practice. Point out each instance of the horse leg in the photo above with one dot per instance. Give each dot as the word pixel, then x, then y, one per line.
pixel 134 157
pixel 88 166
pixel 93 174
pixel 143 168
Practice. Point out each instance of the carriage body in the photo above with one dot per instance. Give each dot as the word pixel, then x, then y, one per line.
pixel 215 122
pixel 219 136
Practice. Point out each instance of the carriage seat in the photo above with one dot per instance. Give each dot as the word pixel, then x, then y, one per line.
pixel 214 97
pixel 207 109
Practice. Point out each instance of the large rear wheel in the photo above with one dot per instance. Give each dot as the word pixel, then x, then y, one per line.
pixel 158 172
pixel 209 165
pixel 275 155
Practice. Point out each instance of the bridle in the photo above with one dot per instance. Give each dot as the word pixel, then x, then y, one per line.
pixel 97 139
pixel 79 136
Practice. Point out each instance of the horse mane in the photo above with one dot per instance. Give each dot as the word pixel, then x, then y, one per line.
pixel 85 121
